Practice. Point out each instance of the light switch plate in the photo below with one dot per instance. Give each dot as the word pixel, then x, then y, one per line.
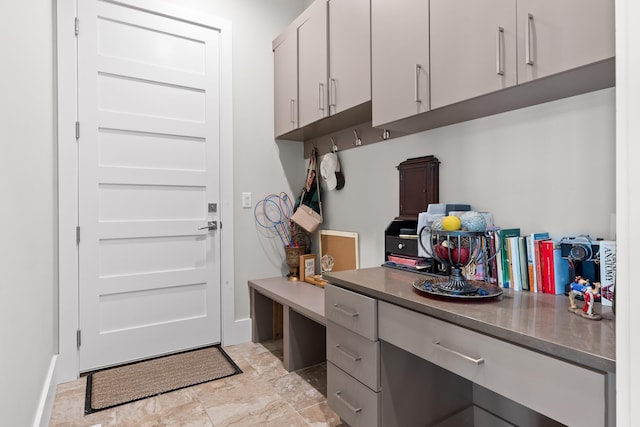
pixel 246 200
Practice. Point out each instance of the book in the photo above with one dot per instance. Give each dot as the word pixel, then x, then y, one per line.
pixel 555 269
pixel 546 262
pixel 560 271
pixel 607 271
pixel 538 266
pixel 504 255
pixel 492 255
pixel 533 260
pixel 513 249
pixel 524 269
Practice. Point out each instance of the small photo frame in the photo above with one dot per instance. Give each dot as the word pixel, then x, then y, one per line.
pixel 307 266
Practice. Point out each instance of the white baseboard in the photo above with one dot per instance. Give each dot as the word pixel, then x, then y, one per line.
pixel 237 333
pixel 47 396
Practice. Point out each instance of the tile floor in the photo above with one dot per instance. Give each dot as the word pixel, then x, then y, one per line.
pixel 265 394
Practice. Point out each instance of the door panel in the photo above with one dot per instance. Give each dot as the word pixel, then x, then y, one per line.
pixel 473 49
pixel 148 106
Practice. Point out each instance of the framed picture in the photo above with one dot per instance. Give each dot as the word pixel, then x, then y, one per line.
pixel 307 266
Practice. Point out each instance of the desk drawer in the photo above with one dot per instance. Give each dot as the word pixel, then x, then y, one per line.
pixel 351 310
pixel 542 383
pixel 354 354
pixel 353 402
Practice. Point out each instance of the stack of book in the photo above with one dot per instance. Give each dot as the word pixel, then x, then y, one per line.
pixel 529 262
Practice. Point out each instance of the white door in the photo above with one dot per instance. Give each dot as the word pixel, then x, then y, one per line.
pixel 148 108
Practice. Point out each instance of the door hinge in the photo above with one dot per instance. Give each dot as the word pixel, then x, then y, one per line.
pixel 77 235
pixel 76 26
pixel 77 130
pixel 78 338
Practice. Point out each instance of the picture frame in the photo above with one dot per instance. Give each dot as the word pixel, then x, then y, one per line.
pixel 307 266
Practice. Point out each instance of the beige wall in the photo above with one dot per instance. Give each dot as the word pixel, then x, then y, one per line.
pixel 549 167
pixel 28 263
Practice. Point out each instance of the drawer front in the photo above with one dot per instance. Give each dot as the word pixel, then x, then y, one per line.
pixel 398 245
pixel 354 354
pixel 354 403
pixel 540 382
pixel 351 310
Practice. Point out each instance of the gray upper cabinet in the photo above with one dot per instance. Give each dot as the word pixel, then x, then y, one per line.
pixel 285 61
pixel 414 65
pixel 312 65
pixel 473 49
pixel 399 59
pixel 349 54
pixel 555 36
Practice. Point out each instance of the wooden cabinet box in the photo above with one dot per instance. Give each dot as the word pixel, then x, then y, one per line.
pixel 419 185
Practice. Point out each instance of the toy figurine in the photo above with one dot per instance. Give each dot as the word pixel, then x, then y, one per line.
pixel 589 292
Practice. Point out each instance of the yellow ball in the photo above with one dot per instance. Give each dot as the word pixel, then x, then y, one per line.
pixel 451 223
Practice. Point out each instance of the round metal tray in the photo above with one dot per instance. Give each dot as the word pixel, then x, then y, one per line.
pixel 484 290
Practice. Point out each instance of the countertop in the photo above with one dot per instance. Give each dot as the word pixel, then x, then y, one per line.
pixel 540 322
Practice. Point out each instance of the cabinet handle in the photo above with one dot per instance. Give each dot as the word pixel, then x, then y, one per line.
pixel 293 120
pixel 348 313
pixel 321 96
pixel 351 356
pixel 347 404
pixel 500 52
pixel 332 92
pixel 527 42
pixel 417 83
pixel 478 361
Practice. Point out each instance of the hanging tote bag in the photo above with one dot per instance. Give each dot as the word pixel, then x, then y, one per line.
pixel 306 215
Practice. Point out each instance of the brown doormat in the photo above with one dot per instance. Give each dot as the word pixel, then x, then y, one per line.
pixel 118 385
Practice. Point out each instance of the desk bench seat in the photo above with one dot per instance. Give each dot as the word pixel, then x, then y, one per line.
pixel 303 320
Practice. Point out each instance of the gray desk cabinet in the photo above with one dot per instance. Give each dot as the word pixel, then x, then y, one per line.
pixel 399 59
pixel 555 36
pixel 544 384
pixel 353 356
pixel 473 49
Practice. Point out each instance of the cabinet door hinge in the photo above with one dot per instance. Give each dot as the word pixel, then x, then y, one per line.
pixel 77 235
pixel 76 26
pixel 78 338
pixel 77 130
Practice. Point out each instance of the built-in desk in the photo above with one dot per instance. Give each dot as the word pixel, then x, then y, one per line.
pixel 304 333
pixel 522 359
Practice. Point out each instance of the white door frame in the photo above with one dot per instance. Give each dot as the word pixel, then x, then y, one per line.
pixel 233 331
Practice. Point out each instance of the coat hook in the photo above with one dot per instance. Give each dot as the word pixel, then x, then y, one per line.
pixel 358 141
pixel 334 147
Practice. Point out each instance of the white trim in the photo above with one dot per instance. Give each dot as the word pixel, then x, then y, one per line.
pixel 67 192
pixel 232 331
pixel 47 396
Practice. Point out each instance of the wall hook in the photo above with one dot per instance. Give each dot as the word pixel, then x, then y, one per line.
pixel 334 147
pixel 385 134
pixel 358 141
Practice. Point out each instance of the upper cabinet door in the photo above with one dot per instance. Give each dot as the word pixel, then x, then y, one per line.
pixel 399 59
pixel 285 60
pixel 558 35
pixel 312 65
pixel 349 54
pixel 473 49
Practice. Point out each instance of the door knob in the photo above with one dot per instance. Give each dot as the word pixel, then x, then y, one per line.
pixel 211 225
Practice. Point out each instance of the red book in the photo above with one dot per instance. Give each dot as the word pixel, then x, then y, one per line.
pixel 546 261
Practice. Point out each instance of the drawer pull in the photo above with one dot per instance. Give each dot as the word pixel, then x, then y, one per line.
pixel 351 356
pixel 478 361
pixel 347 404
pixel 347 312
